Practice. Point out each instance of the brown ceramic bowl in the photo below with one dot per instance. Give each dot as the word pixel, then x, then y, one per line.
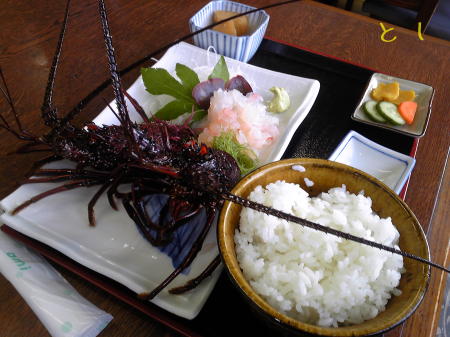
pixel 325 175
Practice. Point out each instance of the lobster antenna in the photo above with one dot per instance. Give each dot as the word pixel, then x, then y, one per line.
pixel 48 113
pixel 110 108
pixel 5 124
pixel 102 86
pixel 8 98
pixel 22 134
pixel 115 76
pixel 289 217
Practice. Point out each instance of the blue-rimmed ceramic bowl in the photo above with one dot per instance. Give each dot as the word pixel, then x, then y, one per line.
pixel 241 48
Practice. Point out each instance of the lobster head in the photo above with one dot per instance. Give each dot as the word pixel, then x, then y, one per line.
pixel 210 170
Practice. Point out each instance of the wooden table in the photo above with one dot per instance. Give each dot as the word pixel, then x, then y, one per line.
pixel 28 35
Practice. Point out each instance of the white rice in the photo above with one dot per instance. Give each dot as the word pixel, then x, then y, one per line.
pixel 308 182
pixel 299 168
pixel 312 276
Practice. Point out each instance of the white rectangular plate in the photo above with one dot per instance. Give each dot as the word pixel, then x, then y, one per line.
pixel 114 247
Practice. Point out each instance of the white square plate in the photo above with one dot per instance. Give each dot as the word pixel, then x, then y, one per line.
pixel 390 167
pixel 424 97
pixel 114 247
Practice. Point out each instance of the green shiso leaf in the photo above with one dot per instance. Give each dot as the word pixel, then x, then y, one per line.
pixel 188 77
pixel 244 156
pixel 158 81
pixel 174 109
pixel 220 70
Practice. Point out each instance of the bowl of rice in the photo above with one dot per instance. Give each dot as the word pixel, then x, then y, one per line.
pixel 299 280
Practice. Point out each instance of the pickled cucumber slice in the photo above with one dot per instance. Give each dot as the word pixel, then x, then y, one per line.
pixel 389 111
pixel 370 108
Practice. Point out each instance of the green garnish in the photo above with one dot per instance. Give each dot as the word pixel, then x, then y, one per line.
pixel 244 156
pixel 188 77
pixel 280 102
pixel 220 70
pixel 158 81
pixel 173 109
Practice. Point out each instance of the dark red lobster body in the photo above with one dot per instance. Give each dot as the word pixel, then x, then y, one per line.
pixel 152 157
pixel 162 147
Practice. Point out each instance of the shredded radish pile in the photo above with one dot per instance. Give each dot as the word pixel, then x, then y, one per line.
pixel 245 116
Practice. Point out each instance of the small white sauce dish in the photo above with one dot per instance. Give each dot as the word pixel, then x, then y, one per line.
pixel 424 98
pixel 390 167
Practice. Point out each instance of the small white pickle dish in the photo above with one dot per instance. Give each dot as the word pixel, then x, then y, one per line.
pixel 424 97
pixel 390 167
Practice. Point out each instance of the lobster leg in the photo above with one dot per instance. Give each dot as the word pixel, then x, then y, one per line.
pixel 191 284
pixel 170 219
pixel 93 201
pixel 135 205
pixel 113 190
pixel 180 220
pixel 66 187
pixel 139 221
pixel 160 233
pixel 69 174
pixel 196 247
pixel 181 212
pixel 111 181
pixel 30 147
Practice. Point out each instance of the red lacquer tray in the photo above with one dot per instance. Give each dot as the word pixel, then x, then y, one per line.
pixel 341 86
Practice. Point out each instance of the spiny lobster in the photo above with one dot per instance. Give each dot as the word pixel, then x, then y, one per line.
pixel 154 157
